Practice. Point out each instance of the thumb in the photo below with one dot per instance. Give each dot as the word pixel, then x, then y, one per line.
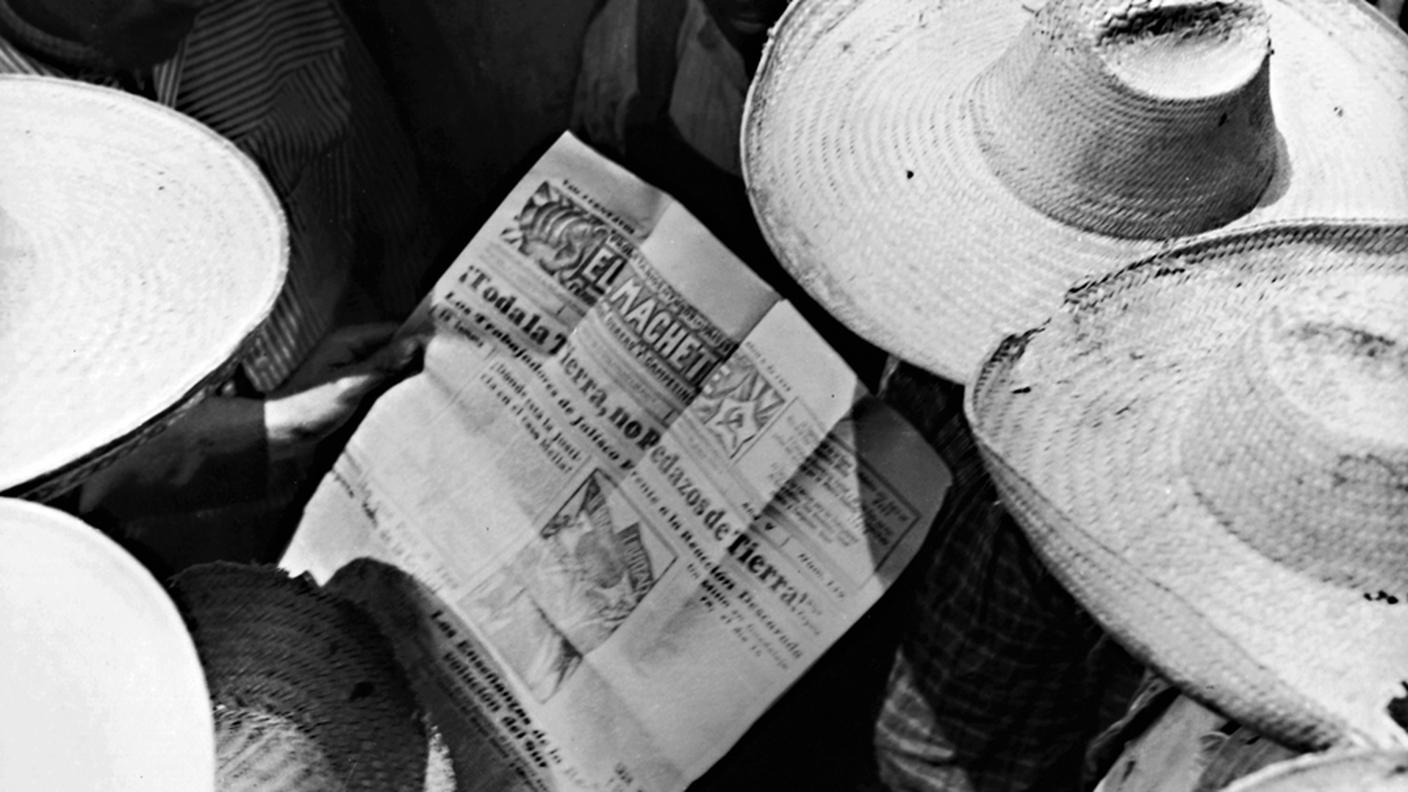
pixel 392 361
pixel 402 355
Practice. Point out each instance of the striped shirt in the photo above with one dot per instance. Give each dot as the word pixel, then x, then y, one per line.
pixel 291 86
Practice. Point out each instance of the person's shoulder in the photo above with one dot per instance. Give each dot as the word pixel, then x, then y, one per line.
pixel 270 17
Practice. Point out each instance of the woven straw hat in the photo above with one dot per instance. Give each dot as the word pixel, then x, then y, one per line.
pixel 100 687
pixel 1210 450
pixel 138 251
pixel 1351 771
pixel 306 692
pixel 938 173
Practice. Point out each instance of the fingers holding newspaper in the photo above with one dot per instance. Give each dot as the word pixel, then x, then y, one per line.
pixel 349 365
pixel 231 439
pixel 636 496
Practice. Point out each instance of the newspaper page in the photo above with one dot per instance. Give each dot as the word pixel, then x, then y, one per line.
pixel 629 499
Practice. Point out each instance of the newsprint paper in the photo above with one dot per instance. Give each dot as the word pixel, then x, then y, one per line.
pixel 630 498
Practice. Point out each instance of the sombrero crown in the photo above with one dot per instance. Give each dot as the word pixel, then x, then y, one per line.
pixel 938 174
pixel 1210 449
pixel 1299 444
pixel 1137 118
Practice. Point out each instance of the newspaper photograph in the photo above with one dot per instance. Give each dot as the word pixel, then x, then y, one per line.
pixel 629 499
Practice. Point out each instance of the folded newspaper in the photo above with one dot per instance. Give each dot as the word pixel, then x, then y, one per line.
pixel 629 499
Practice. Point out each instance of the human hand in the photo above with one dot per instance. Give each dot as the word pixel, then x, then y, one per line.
pixel 347 366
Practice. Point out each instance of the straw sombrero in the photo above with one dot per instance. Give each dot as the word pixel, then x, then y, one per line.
pixel 100 687
pixel 138 251
pixel 937 172
pixel 1350 771
pixel 306 691
pixel 1210 450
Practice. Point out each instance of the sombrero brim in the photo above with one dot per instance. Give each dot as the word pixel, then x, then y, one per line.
pixel 1350 771
pixel 138 252
pixel 99 680
pixel 1080 422
pixel 871 190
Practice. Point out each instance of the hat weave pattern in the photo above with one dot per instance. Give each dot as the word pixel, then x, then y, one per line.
pixel 937 174
pixel 138 252
pixel 1145 119
pixel 1208 449
pixel 1300 443
pixel 307 695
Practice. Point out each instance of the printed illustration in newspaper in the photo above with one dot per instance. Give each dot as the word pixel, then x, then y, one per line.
pixel 629 499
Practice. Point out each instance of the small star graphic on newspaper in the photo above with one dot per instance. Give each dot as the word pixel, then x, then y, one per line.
pixel 736 422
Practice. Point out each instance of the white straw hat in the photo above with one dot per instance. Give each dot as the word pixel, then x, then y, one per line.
pixel 1210 450
pixel 138 251
pixel 100 687
pixel 1350 771
pixel 307 693
pixel 937 174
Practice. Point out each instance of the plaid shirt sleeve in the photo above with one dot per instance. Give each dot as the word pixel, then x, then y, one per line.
pixel 1001 680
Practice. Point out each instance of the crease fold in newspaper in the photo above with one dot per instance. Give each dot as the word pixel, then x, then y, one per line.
pixel 629 500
